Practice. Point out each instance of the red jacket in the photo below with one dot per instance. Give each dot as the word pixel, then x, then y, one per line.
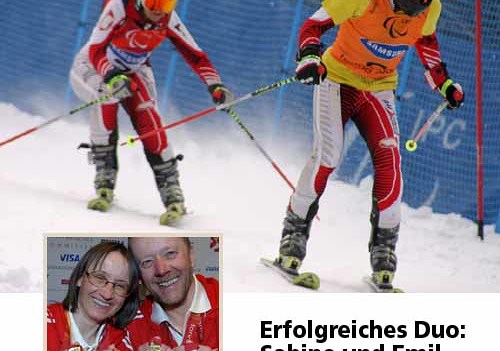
pixel 124 39
pixel 201 328
pixel 58 332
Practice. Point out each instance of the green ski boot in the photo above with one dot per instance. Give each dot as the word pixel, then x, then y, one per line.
pixel 103 200
pixel 383 258
pixel 173 214
pixel 293 242
pixel 167 181
pixel 106 166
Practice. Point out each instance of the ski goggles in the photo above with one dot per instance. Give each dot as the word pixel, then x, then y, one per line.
pixel 165 6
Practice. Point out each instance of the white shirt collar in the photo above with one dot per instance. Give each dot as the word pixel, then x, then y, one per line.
pixel 200 304
pixel 76 335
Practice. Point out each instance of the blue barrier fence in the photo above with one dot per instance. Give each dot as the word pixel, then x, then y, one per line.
pixel 252 44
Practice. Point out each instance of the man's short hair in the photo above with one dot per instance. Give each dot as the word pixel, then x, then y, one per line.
pixel 186 240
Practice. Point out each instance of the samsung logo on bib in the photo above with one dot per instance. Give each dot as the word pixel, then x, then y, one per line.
pixel 69 257
pixel 384 51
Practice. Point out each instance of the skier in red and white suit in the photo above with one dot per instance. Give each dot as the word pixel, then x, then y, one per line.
pixel 360 71
pixel 116 59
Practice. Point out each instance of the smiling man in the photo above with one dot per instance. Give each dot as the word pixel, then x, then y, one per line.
pixel 182 309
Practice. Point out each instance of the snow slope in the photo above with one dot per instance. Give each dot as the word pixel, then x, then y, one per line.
pixel 45 183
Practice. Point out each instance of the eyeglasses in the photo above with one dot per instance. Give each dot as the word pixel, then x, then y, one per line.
pixel 165 6
pixel 100 281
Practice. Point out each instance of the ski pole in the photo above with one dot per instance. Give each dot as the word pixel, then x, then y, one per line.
pixel 411 144
pixel 52 120
pixel 260 91
pixel 235 117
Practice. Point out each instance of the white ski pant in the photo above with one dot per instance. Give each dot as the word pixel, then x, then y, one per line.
pixel 141 107
pixel 375 117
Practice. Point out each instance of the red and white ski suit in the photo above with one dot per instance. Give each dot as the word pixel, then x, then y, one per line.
pixel 362 76
pixel 59 332
pixel 125 39
pixel 201 327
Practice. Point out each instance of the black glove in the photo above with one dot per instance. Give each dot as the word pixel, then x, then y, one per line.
pixel 119 84
pixel 310 69
pixel 220 94
pixel 438 79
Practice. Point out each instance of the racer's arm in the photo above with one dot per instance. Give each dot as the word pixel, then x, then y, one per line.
pixel 314 27
pixel 194 56
pixel 310 69
pixel 428 51
pixel 198 60
pixel 427 46
pixel 112 16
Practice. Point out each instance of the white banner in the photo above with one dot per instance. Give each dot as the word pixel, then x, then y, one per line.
pixel 360 322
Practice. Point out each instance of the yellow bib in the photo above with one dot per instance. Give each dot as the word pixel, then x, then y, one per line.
pixel 372 40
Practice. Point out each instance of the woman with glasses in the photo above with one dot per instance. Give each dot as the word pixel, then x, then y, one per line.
pixel 102 299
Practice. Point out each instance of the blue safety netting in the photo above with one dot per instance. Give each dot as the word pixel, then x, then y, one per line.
pixel 252 44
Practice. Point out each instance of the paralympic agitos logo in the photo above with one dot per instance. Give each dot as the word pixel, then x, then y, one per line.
pixel 396 26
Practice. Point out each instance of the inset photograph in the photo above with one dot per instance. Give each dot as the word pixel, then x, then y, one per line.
pixel 134 292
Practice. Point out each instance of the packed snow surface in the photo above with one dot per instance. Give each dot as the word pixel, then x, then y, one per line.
pixel 45 183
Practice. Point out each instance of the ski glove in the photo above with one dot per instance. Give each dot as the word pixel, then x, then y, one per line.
pixel 438 79
pixel 310 69
pixel 220 94
pixel 119 84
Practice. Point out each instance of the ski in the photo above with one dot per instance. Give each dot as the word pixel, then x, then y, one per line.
pixel 307 279
pixel 375 288
pixel 105 202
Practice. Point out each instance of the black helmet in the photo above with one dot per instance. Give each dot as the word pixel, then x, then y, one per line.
pixel 412 7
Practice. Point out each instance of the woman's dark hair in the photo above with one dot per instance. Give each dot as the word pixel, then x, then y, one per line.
pixel 94 258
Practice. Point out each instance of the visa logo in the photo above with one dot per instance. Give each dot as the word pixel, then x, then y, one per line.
pixel 69 257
